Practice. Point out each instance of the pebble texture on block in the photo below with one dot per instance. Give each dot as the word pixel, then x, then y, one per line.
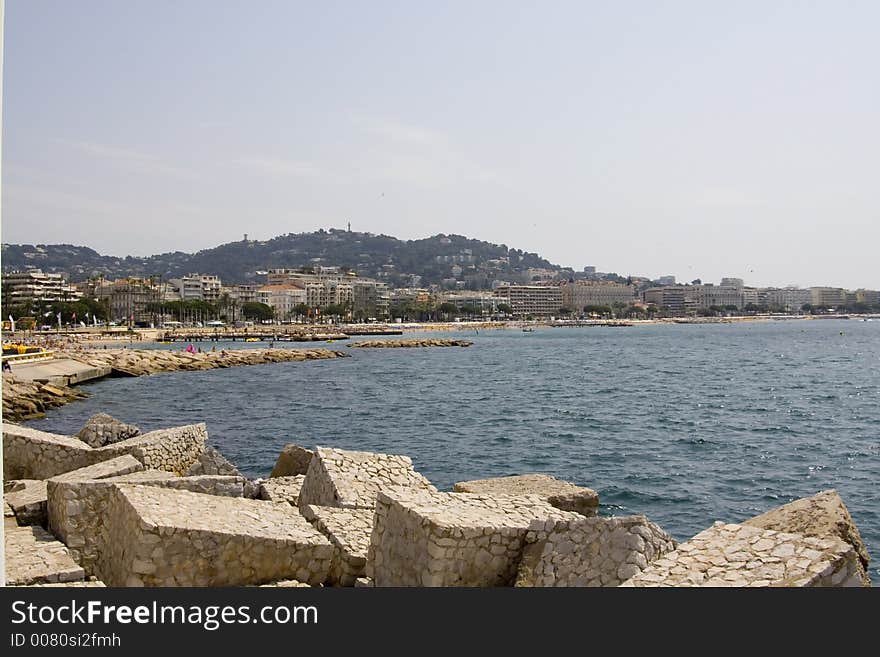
pixel 33 556
pixel 163 537
pixel 348 479
pixel 424 538
pixel 822 516
pixel 32 454
pixel 737 555
pixel 593 552
pixel 349 531
pixel 282 489
pixel 561 494
pixel 28 502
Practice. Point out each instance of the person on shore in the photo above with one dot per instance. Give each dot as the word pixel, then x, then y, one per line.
pixel 7 367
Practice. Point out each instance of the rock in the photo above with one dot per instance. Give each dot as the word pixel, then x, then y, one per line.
pixel 28 502
pixel 166 537
pixel 212 462
pixel 27 400
pixel 102 429
pixel 351 479
pixel 349 531
pixel 823 515
pixel 593 552
pixel 426 538
pixel 282 489
pixel 391 344
pixel 561 494
pixel 33 556
pixel 740 555
pixel 293 460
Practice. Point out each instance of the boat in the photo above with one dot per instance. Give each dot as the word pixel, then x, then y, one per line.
pixel 528 330
pixel 252 339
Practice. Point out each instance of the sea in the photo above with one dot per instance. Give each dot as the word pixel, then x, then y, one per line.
pixel 684 423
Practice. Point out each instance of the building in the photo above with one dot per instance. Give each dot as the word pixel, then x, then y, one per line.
pixel 671 297
pixel 370 299
pixel 666 280
pixel 751 295
pixel 281 298
pixel 320 294
pixel 789 299
pixel 479 303
pixel 240 293
pixel 719 296
pixel 198 287
pixel 827 297
pixel 535 300
pixel 577 295
pixel 326 286
pixel 310 275
pixel 35 286
pixel 131 300
pixel 871 297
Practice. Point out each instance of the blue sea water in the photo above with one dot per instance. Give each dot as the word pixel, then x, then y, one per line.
pixel 687 424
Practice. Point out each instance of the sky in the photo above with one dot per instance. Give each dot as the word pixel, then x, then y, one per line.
pixel 696 139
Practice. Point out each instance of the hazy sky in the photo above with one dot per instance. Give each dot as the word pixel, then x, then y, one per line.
pixel 700 139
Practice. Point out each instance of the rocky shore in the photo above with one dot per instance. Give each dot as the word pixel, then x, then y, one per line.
pixel 141 362
pixel 28 400
pixel 415 342
pixel 166 509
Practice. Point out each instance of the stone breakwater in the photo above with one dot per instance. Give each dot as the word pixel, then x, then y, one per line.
pixel 166 509
pixel 28 400
pixel 391 344
pixel 141 362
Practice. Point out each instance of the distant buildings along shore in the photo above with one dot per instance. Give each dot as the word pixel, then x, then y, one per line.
pixel 313 293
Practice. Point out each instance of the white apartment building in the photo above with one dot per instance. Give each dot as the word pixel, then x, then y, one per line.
pixel 536 300
pixel 202 287
pixel 35 285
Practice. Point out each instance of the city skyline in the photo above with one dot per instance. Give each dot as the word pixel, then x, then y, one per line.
pixel 653 277
pixel 727 141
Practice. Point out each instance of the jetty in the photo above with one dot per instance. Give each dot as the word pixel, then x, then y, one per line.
pixel 141 362
pixel 410 343
pixel 165 508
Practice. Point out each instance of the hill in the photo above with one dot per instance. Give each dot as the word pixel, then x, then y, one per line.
pixel 434 259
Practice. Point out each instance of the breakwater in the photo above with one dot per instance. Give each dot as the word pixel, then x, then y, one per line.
pixel 167 509
pixel 412 343
pixel 141 362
